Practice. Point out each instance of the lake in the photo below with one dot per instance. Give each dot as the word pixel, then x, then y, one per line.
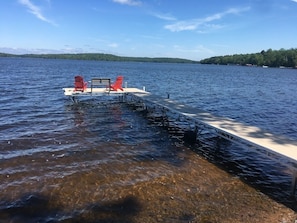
pixel 103 160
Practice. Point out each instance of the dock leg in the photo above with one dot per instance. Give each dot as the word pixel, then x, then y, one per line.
pixel 74 99
pixel 294 181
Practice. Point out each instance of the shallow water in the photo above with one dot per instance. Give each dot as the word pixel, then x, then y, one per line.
pixel 66 157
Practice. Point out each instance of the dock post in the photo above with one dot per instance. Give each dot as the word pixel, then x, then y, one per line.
pixel 294 182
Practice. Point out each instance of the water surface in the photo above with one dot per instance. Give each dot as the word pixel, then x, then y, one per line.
pixel 100 155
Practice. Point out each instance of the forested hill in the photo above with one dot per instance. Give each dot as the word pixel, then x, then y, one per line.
pixel 100 57
pixel 270 58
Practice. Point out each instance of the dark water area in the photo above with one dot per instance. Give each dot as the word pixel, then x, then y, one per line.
pixel 102 161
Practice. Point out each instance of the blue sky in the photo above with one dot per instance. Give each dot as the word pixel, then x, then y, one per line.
pixel 191 29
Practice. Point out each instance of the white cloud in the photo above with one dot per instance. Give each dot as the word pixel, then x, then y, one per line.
pixel 164 16
pixel 196 23
pixel 35 10
pixel 128 2
pixel 294 1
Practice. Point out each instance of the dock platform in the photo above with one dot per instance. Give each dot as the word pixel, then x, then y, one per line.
pixel 278 147
pixel 100 91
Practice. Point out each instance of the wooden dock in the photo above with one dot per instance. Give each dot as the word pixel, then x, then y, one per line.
pixel 232 130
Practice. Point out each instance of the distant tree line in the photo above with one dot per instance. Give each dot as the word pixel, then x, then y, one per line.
pixel 270 58
pixel 100 57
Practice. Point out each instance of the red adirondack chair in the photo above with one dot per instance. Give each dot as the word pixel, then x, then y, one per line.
pixel 79 84
pixel 117 84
